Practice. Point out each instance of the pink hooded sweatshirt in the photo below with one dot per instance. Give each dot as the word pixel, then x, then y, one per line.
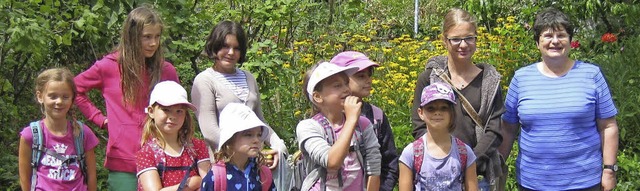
pixel 125 122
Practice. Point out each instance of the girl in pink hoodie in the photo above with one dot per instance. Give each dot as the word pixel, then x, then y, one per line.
pixel 125 78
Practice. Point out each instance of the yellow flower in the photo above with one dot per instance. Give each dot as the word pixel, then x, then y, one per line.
pixel 375 82
pixel 289 52
pixel 283 30
pixel 500 20
pixel 297 113
pixel 511 19
pixel 286 65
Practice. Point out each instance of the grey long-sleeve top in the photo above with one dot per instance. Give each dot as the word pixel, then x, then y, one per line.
pixel 210 97
pixel 313 143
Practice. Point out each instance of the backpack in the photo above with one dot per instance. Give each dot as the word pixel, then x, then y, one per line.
pixel 418 156
pixel 37 148
pixel 159 155
pixel 220 177
pixel 297 160
pixel 377 118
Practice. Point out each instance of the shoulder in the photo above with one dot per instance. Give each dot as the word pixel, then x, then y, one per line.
pixel 437 62
pixel 527 69
pixel 198 143
pixel 27 134
pixel 204 77
pixel 586 67
pixel 249 75
pixel 109 61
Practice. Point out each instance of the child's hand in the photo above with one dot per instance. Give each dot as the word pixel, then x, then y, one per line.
pixel 194 183
pixel 352 107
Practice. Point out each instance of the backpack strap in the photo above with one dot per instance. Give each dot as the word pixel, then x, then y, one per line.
pixel 331 136
pixel 266 178
pixel 418 157
pixel 462 151
pixel 79 144
pixel 36 148
pixel 219 176
pixel 377 114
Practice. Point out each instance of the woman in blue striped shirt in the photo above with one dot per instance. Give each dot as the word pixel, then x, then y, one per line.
pixel 565 114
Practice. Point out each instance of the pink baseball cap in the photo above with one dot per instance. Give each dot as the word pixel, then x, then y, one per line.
pixel 437 91
pixel 353 58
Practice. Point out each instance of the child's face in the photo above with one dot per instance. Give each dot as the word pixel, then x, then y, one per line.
pixel 168 119
pixel 229 55
pixel 335 90
pixel 150 39
pixel 360 83
pixel 57 99
pixel 436 114
pixel 248 142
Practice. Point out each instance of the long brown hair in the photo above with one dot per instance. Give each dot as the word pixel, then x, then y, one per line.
pixel 58 75
pixel 150 130
pixel 132 62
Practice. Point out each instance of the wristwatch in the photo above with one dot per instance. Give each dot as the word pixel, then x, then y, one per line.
pixel 613 167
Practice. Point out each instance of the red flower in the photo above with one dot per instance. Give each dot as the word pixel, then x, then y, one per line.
pixel 575 44
pixel 609 37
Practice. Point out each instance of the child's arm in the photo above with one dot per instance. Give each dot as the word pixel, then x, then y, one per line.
pixel 373 184
pixel 24 164
pixel 405 183
pixel 340 148
pixel 90 161
pixel 204 167
pixel 150 180
pixel 471 178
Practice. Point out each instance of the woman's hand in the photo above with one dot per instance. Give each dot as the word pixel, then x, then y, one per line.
pixel 608 179
pixel 271 158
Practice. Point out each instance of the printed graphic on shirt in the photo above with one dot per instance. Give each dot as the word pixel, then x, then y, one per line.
pixel 57 169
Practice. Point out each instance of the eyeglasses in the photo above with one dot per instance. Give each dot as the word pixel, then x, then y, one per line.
pixel 458 40
pixel 551 36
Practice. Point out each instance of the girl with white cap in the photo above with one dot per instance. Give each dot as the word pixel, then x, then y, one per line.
pixel 239 160
pixel 338 145
pixel 170 154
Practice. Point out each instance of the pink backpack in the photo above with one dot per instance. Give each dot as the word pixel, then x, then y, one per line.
pixel 220 173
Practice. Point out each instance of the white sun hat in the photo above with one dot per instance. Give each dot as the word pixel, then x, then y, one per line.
pixel 237 117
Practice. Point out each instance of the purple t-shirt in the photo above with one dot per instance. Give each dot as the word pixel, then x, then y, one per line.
pixel 51 174
pixel 439 173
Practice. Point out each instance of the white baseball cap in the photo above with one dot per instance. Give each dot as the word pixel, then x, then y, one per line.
pixel 326 70
pixel 168 93
pixel 237 117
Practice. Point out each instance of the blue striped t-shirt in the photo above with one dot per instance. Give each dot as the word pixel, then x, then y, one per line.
pixel 559 142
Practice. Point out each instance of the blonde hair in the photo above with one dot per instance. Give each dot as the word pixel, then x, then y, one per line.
pixel 132 62
pixel 456 16
pixel 150 130
pixel 58 75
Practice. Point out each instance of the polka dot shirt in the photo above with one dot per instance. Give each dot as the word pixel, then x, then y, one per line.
pixel 146 161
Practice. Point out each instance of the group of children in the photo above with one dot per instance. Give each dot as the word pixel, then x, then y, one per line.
pixel 347 144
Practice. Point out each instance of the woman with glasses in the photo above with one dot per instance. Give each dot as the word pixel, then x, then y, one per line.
pixel 477 83
pixel 563 111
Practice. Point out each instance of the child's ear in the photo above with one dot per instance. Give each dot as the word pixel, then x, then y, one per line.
pixel 39 97
pixel 150 111
pixel 316 97
pixel 421 114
